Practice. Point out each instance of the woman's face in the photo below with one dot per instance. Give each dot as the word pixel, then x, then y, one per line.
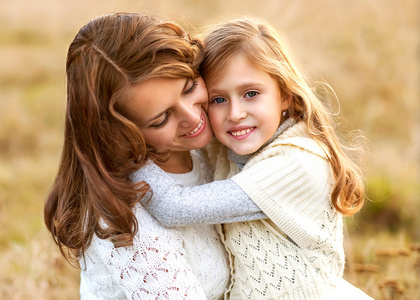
pixel 171 113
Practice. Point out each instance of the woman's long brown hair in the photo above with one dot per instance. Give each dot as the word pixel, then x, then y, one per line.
pixel 264 48
pixel 92 193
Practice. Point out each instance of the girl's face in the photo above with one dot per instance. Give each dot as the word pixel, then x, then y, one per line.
pixel 245 106
pixel 171 113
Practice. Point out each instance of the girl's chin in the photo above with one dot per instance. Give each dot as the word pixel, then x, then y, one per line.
pixel 242 151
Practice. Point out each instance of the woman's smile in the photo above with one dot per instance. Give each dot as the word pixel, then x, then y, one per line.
pixel 198 129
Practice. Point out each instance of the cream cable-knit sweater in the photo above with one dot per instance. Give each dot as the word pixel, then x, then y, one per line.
pixel 298 253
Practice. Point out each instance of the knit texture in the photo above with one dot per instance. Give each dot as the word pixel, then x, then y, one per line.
pixel 206 254
pixel 154 267
pixel 162 263
pixel 298 254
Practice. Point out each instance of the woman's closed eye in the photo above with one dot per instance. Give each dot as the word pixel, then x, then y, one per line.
pixel 191 88
pixel 161 121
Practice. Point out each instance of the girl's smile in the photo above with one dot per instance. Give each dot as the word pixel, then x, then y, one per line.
pixel 241 132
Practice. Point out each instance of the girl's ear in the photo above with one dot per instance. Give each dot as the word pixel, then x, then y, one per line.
pixel 286 101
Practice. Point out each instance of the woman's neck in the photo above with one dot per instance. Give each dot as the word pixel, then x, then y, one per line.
pixel 178 162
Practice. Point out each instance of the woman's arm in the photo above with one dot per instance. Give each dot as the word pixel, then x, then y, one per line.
pixel 213 203
pixel 292 188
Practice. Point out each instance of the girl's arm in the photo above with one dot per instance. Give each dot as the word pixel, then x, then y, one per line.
pixel 213 203
pixel 154 267
pixel 293 187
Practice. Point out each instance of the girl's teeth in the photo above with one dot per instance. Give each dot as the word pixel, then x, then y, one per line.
pixel 242 132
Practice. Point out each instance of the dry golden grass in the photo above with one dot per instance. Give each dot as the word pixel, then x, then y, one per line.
pixel 367 50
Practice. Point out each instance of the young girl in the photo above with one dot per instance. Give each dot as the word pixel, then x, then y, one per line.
pixel 287 159
pixel 133 94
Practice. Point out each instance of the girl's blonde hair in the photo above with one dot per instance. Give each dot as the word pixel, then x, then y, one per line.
pixel 92 193
pixel 263 47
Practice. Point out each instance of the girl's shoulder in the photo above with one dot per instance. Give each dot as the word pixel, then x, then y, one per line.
pixel 295 143
pixel 202 166
pixel 213 151
pixel 298 136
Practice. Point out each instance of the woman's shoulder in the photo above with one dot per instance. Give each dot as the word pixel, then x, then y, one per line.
pixel 150 232
pixel 156 255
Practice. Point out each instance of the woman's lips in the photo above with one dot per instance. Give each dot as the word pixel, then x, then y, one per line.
pixel 198 129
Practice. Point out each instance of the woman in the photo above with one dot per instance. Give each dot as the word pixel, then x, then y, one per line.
pixel 133 94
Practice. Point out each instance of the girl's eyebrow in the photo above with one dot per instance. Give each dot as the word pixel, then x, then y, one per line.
pixel 243 86
pixel 250 84
pixel 157 116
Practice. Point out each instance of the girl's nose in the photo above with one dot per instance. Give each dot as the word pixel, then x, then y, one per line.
pixel 236 112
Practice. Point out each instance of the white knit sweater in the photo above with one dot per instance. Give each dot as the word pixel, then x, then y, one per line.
pixel 298 253
pixel 163 263
pixel 205 252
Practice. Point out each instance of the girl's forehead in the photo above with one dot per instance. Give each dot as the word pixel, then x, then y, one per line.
pixel 224 65
pixel 239 73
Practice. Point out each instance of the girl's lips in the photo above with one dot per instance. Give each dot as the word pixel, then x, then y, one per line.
pixel 198 129
pixel 241 133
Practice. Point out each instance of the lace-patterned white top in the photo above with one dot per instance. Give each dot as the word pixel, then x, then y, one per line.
pixel 163 263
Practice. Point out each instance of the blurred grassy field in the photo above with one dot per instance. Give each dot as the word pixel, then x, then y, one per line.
pixel 367 50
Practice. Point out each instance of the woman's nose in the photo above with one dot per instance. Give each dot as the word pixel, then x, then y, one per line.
pixel 190 115
pixel 236 112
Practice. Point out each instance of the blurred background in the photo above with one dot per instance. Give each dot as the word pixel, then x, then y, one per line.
pixel 368 51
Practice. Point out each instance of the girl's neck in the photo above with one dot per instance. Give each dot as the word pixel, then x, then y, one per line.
pixel 178 162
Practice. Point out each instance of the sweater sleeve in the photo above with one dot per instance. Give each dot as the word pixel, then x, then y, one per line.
pixel 218 202
pixel 292 187
pixel 154 267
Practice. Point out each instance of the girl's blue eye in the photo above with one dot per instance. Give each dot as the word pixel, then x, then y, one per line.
pixel 251 94
pixel 218 100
